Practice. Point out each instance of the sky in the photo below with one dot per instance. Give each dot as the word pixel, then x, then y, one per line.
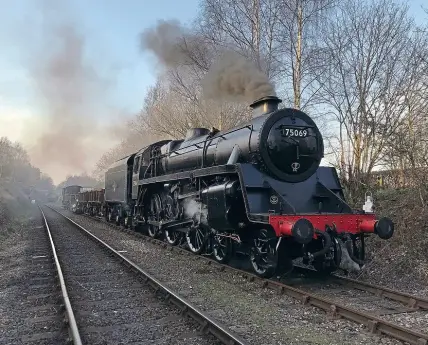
pixel 111 31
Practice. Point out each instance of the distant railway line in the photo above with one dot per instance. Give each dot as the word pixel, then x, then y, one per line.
pixel 368 304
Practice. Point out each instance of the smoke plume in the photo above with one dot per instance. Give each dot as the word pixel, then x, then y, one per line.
pixel 64 85
pixel 230 77
pixel 73 98
pixel 172 45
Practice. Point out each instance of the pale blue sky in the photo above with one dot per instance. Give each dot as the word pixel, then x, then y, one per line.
pixel 111 29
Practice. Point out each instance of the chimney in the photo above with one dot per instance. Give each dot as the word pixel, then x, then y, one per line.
pixel 265 105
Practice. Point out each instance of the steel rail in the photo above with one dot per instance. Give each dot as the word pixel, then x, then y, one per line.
pixel 375 324
pixel 208 325
pixel 71 320
pixel 411 301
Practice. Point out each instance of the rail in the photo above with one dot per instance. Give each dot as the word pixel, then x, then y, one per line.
pixel 208 325
pixel 412 301
pixel 74 330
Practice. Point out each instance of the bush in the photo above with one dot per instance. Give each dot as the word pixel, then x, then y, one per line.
pixel 15 207
pixel 404 257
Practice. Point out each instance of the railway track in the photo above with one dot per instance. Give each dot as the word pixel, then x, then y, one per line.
pixel 376 320
pixel 407 302
pixel 111 300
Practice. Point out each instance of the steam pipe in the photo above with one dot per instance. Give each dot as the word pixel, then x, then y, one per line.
pixel 327 245
pixel 234 155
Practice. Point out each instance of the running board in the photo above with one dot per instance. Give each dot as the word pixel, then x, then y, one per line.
pixel 170 224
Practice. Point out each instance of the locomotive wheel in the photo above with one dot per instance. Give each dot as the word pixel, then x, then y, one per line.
pixel 263 255
pixel 155 215
pixel 196 240
pixel 222 249
pixel 172 237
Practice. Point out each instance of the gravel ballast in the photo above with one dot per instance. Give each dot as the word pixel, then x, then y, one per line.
pixel 260 316
pixel 111 304
pixel 384 308
pixel 29 298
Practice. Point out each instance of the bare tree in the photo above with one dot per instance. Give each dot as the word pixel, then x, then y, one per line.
pixel 5 155
pixel 407 150
pixel 170 113
pixel 281 36
pixel 14 160
pixel 15 166
pixel 245 26
pixel 137 137
pixel 299 39
pixel 374 70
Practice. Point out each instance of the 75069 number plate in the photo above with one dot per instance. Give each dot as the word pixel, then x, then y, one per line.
pixel 294 132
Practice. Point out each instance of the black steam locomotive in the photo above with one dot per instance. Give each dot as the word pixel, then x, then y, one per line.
pixel 257 188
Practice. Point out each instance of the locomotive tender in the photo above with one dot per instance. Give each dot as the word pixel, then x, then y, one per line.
pixel 258 188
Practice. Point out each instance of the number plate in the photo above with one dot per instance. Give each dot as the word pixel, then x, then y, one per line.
pixel 294 132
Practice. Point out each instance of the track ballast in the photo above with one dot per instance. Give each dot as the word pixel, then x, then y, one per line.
pixel 32 311
pixel 116 303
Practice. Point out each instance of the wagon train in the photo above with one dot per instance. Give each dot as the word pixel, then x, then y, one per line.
pixel 256 189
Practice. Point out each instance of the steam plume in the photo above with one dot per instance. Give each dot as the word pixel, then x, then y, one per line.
pixel 196 210
pixel 231 77
pixel 66 85
pixel 191 207
pixel 73 97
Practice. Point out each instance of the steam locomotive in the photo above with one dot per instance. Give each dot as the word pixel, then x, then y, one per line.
pixel 258 189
